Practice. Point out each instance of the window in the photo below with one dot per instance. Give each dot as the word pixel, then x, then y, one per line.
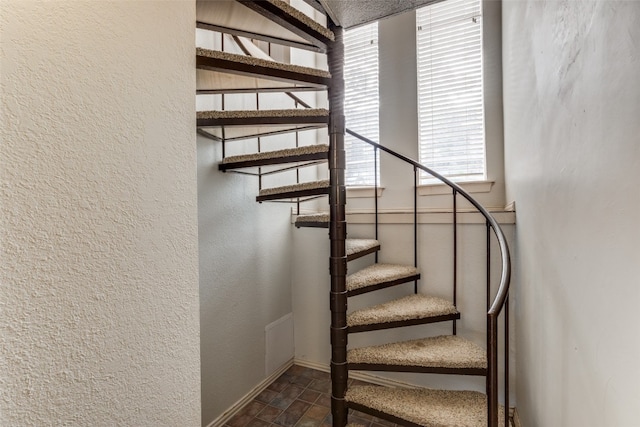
pixel 362 102
pixel 450 96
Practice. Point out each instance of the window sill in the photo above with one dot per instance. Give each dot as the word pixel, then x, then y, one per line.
pixel 470 187
pixel 363 192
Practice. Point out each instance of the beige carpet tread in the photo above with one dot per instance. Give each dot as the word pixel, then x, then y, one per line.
pixel 314 220
pixel 428 408
pixel 251 60
pixel 446 351
pixel 411 307
pixel 314 217
pixel 289 152
pixel 303 18
pixel 241 114
pixel 296 187
pixel 355 246
pixel 379 273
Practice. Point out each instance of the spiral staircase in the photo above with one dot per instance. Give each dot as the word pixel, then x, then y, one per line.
pixel 245 34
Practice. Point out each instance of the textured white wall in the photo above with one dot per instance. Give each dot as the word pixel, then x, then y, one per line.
pixel 572 103
pixel 245 279
pixel 99 276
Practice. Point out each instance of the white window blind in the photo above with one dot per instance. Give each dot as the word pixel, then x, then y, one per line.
pixel 450 95
pixel 362 102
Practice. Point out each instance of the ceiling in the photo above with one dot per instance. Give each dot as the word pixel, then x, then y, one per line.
pixel 351 13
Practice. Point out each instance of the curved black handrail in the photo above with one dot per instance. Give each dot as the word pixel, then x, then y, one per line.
pixel 501 298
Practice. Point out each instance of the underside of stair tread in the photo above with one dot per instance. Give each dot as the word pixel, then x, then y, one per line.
pixel 250 60
pixel 412 307
pixel 424 407
pixel 446 351
pixel 379 273
pixel 274 22
pixel 279 154
pixel 356 246
pixel 288 15
pixel 304 18
pixel 313 185
pixel 218 130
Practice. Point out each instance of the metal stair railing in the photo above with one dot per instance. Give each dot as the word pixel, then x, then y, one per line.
pixel 501 299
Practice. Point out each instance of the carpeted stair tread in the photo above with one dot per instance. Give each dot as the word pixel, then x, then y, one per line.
pixel 251 60
pixel 314 217
pixel 257 118
pixel 424 407
pixel 303 18
pixel 313 185
pixel 355 246
pixel 445 351
pixel 296 112
pixel 412 307
pixel 298 15
pixel 314 220
pixel 377 274
pixel 288 152
pixel 212 61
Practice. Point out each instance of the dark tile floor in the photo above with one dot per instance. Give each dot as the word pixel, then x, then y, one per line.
pixel 301 397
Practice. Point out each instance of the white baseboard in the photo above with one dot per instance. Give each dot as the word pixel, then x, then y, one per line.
pixel 236 407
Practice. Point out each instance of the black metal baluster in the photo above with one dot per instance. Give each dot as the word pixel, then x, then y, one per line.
pixel 492 374
pixel 488 265
pixel 224 141
pixel 506 361
pixel 455 256
pixel 415 224
pixel 295 102
pixel 259 144
pixel 375 189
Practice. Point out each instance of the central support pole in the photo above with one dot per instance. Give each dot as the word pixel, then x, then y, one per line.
pixel 337 230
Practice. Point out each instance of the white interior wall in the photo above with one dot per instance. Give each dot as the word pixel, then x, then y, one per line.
pixel 98 227
pixel 572 103
pixel 245 281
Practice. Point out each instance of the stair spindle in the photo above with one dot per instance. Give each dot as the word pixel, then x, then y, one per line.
pixel 415 224
pixel 455 255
